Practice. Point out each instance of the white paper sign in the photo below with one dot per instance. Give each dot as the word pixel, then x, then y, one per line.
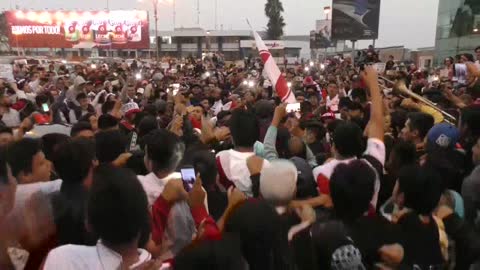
pixel 6 72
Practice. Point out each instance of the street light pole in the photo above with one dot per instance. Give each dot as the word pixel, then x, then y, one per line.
pixel 216 14
pixel 327 11
pixel 174 15
pixel 155 4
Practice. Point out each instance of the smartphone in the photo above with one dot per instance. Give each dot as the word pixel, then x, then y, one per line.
pixel 188 177
pixel 45 107
pixel 293 107
pixel 165 266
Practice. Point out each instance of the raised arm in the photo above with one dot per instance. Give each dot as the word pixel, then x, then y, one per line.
pixel 271 136
pixel 375 127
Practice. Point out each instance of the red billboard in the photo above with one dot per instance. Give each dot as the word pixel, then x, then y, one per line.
pixel 117 29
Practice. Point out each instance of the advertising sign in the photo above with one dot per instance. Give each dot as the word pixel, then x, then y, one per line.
pixel 271 44
pixel 355 19
pixel 322 36
pixel 118 29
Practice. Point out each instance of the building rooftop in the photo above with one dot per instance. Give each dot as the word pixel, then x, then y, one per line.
pixel 200 32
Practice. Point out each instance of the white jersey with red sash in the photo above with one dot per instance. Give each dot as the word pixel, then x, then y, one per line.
pixel 374 156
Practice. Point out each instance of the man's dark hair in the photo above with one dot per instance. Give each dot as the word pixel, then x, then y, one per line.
pixel 359 93
pixel 344 102
pixel 108 106
pixel 348 139
pixel 355 106
pixel 227 254
pixel 79 127
pixel 50 143
pixel 3 167
pixel 397 121
pixel 117 207
pixel 147 124
pixel 244 128
pixel 469 120
pixel 477 49
pixel 73 160
pixel 5 129
pixel 110 144
pixel 422 188
pixel 20 155
pixel 421 122
pixel 81 96
pixel 352 187
pixel 405 153
pixel 164 149
pixel 86 117
pixel 106 121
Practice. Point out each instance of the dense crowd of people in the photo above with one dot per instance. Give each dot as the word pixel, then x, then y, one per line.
pixel 201 166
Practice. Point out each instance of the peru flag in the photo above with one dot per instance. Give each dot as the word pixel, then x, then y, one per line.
pixel 273 72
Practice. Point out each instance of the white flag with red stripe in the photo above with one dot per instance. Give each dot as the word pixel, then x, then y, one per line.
pixel 273 72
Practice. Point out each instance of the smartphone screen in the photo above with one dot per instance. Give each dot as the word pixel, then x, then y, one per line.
pixel 45 107
pixel 293 107
pixel 188 177
pixel 165 266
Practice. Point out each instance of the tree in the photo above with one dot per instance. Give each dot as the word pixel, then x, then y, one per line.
pixel 273 10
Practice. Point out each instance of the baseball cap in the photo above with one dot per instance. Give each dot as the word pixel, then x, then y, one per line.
pixel 443 135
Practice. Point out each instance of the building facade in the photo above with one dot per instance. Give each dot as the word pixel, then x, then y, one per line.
pixel 458 28
pixel 233 44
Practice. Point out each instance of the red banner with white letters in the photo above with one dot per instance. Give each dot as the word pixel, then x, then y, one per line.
pixel 118 29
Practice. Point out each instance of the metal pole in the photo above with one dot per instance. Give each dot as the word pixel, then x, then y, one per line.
pixel 216 14
pixel 174 15
pixel 353 52
pixel 198 12
pixel 108 5
pixel 155 4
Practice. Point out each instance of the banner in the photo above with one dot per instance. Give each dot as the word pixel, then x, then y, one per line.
pixel 355 19
pixel 321 38
pixel 273 72
pixel 118 29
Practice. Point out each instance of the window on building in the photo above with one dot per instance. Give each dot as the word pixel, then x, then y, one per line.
pixel 231 39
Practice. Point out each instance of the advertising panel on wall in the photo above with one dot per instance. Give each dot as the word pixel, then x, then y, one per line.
pixel 321 38
pixel 117 29
pixel 355 19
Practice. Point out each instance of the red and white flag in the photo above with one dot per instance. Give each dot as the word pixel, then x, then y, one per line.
pixel 273 72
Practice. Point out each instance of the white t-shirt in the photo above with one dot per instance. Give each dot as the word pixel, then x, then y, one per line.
pixel 72 257
pixel 375 149
pixel 11 118
pixel 233 166
pixel 180 225
pixel 332 103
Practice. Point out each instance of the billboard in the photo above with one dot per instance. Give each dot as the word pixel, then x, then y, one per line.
pixel 355 19
pixel 118 29
pixel 321 38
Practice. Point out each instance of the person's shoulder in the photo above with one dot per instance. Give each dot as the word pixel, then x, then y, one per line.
pixel 45 187
pixel 223 153
pixel 68 257
pixel 326 168
pixel 71 249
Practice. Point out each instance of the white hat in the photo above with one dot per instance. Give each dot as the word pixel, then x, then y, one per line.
pixel 278 181
pixel 130 107
pixel 141 90
pixel 79 80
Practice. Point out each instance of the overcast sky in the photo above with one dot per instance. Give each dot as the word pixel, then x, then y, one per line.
pixel 402 22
